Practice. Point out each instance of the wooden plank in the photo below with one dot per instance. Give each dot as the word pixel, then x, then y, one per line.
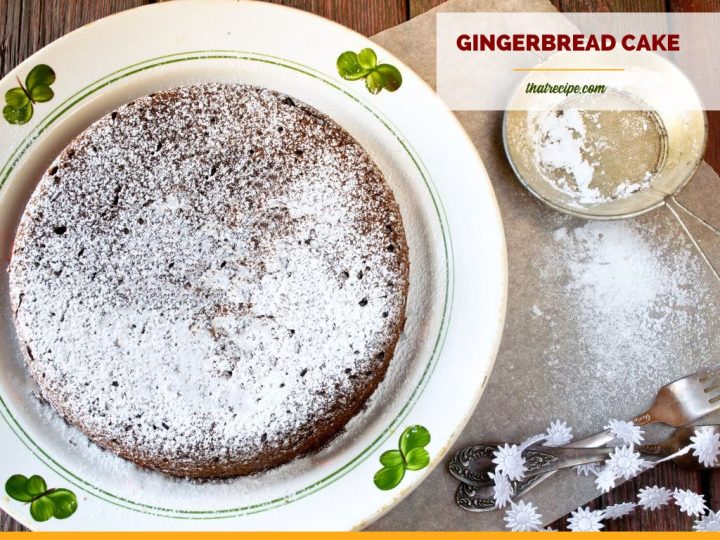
pixel 693 5
pixel 368 17
pixel 32 24
pixel 416 7
pixel 712 155
pixel 612 5
pixel 8 524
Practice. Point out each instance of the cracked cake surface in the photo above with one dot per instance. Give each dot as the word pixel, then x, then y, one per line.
pixel 211 280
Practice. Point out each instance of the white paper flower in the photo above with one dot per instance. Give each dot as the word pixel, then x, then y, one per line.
pixel 502 490
pixel 605 480
pixel 624 462
pixel 532 440
pixel 625 431
pixel 708 523
pixel 522 517
pixel 652 498
pixel 585 520
pixel 588 469
pixel 558 434
pixel 705 446
pixel 619 510
pixel 510 462
pixel 690 502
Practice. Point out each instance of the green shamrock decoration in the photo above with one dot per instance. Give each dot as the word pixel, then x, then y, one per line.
pixel 411 456
pixel 19 101
pixel 363 65
pixel 44 503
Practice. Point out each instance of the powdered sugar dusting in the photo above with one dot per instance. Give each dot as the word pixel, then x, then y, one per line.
pixel 596 156
pixel 635 306
pixel 624 290
pixel 213 282
pixel 560 144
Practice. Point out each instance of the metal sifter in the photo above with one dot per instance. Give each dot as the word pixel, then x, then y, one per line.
pixel 608 155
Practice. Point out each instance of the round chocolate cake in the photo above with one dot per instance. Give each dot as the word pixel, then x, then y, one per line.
pixel 211 280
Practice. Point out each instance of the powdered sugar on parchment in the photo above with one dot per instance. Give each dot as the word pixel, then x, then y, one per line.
pixel 618 275
pixel 637 304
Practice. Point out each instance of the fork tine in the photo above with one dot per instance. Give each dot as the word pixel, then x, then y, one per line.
pixel 706 373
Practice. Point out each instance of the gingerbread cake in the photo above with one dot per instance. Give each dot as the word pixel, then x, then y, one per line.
pixel 210 281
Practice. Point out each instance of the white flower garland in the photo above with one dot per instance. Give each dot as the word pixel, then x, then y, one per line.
pixel 652 498
pixel 709 522
pixel 623 463
pixel 510 462
pixel 522 517
pixel 705 446
pixel 558 434
pixel 690 502
pixel 605 480
pixel 502 490
pixel 619 510
pixel 586 520
pixel 627 432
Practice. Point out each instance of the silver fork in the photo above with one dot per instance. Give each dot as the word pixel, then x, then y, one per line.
pixel 676 404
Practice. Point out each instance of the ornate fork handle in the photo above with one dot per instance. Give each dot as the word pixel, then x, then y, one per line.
pixel 679 403
pixel 472 464
pixel 541 460
pixel 475 493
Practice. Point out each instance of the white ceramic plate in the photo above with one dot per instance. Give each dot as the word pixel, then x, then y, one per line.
pixel 458 266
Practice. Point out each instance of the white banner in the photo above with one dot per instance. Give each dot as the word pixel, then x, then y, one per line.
pixel 497 61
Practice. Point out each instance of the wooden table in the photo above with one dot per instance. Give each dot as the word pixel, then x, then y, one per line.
pixel 29 25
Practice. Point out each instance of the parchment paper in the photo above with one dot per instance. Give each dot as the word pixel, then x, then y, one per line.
pixel 579 316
